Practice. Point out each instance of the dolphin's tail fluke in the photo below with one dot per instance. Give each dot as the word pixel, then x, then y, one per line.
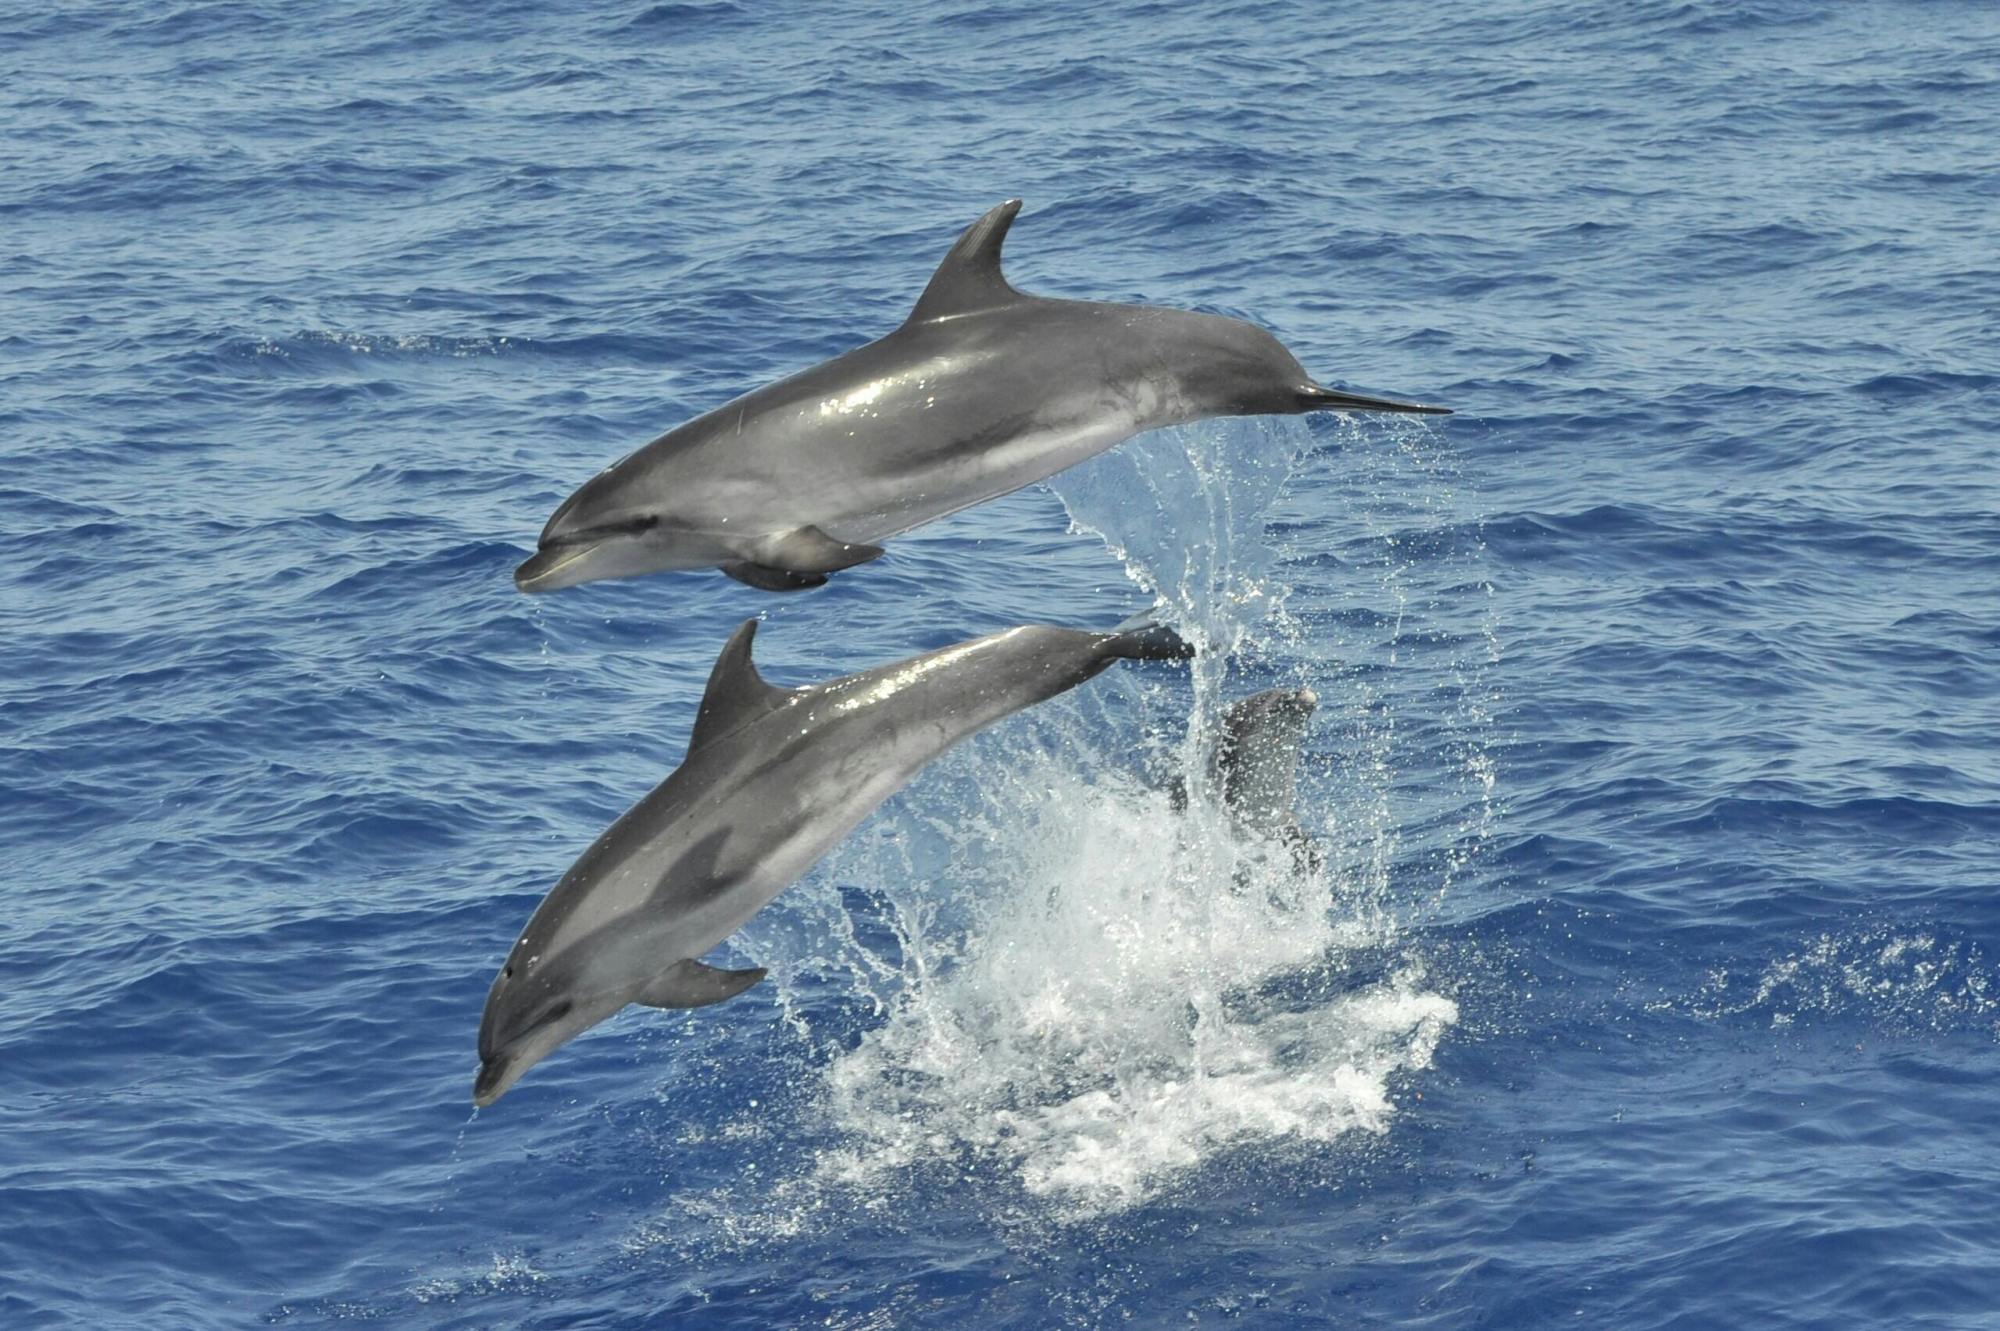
pixel 1144 638
pixel 1314 397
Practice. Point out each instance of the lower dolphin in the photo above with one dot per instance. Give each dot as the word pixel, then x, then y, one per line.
pixel 772 780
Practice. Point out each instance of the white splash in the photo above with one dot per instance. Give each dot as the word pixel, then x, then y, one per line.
pixel 1888 976
pixel 509 1273
pixel 1092 992
pixel 1121 1004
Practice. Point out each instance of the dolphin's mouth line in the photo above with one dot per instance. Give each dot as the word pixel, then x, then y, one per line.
pixel 492 1081
pixel 559 565
pixel 553 554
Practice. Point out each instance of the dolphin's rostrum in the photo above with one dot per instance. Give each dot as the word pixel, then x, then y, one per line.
pixel 773 778
pixel 981 391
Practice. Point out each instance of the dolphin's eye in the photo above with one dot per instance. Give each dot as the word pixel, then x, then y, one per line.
pixel 508 973
pixel 623 527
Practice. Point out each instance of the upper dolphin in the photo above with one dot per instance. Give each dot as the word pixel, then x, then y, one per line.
pixel 983 390
pixel 773 778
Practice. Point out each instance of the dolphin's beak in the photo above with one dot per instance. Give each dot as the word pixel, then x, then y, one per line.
pixel 554 567
pixel 496 1075
pixel 1312 397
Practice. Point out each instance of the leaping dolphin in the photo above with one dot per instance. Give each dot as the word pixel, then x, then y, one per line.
pixel 983 390
pixel 773 778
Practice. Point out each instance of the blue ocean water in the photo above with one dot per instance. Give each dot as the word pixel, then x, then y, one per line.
pixel 1653 975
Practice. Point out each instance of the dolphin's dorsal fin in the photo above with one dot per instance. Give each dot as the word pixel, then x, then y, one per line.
pixel 969 279
pixel 736 693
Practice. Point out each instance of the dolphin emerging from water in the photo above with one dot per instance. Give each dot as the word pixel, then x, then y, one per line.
pixel 1253 768
pixel 773 778
pixel 1254 765
pixel 982 390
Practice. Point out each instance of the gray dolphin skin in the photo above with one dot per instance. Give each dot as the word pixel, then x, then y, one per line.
pixel 981 391
pixel 1255 761
pixel 1253 768
pixel 772 780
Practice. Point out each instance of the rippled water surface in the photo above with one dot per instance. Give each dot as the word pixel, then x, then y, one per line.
pixel 1650 976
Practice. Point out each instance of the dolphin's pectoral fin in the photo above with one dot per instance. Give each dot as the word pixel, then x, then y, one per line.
pixel 808 550
pixel 793 560
pixel 766 579
pixel 691 984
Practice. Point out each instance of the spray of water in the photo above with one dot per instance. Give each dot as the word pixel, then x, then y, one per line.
pixel 1086 988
